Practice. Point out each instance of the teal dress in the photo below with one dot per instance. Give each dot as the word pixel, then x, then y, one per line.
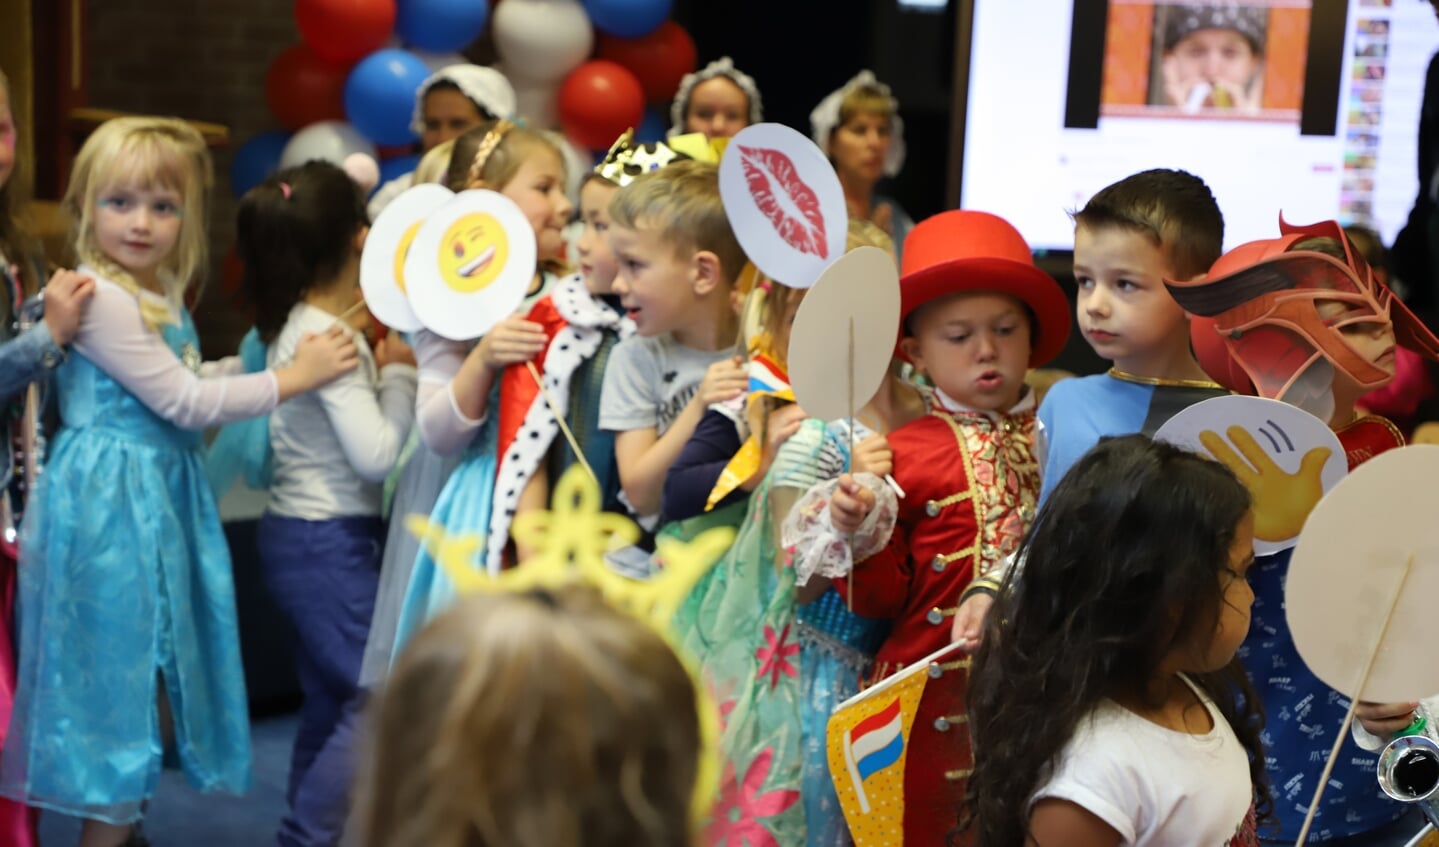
pixel 462 508
pixel 125 583
pixel 739 627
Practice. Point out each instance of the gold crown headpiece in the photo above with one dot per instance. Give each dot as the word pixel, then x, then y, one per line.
pixel 570 541
pixel 627 159
pixel 699 146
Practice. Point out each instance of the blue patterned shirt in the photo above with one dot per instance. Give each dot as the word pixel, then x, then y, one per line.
pixel 1301 716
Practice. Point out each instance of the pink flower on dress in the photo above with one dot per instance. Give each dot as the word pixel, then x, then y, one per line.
pixel 725 709
pixel 741 807
pixel 774 656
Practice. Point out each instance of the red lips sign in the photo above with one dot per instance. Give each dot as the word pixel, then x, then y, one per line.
pixel 769 170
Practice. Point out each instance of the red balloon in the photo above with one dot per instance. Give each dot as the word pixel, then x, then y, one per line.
pixel 302 89
pixel 344 31
pixel 658 60
pixel 598 101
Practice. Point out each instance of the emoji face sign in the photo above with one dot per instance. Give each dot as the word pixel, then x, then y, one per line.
pixel 472 252
pixel 1286 457
pixel 382 264
pixel 405 241
pixel 470 264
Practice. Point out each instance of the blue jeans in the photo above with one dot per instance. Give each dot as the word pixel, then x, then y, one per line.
pixel 323 576
pixel 1396 834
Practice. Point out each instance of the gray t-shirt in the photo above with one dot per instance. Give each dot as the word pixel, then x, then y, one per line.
pixel 648 381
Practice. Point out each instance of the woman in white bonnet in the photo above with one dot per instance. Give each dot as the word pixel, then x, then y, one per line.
pixel 858 127
pixel 718 100
pixel 450 101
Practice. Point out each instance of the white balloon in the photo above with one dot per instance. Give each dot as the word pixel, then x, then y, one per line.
pixel 578 162
pixel 542 40
pixel 363 170
pixel 435 61
pixel 331 141
pixel 535 100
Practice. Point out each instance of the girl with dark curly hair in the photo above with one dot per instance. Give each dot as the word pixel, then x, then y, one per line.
pixel 1106 703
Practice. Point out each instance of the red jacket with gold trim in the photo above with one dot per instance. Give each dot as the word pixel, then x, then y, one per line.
pixel 971 483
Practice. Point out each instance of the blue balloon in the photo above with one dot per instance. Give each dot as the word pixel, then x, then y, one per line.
pixel 441 26
pixel 380 95
pixel 397 167
pixel 256 159
pixel 628 18
pixel 653 127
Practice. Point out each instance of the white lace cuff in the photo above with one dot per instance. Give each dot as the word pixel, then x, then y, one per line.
pixel 813 544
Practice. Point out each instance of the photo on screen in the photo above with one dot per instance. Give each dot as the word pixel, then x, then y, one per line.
pixel 1037 145
pixel 1227 61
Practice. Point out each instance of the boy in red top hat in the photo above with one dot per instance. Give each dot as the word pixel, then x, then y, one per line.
pixel 975 315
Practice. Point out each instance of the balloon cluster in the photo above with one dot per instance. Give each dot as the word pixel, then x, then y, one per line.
pixel 587 67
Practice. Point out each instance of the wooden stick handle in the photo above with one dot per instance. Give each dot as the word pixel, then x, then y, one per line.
pixel 348 313
pixel 564 427
pixel 1353 704
pixel 849 384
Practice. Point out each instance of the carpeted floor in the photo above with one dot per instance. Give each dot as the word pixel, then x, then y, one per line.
pixel 181 817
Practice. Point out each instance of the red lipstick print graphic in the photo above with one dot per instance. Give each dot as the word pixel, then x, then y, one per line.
pixel 768 170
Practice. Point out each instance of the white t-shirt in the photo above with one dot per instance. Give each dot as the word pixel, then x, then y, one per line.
pixel 1155 786
pixel 333 447
pixel 649 380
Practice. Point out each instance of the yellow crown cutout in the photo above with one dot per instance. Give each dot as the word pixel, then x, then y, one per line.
pixel 570 542
pixel 699 146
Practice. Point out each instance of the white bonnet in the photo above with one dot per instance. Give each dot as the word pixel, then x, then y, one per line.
pixel 825 118
pixel 487 87
pixel 723 66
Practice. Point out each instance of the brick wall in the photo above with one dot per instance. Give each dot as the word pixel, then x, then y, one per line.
pixel 199 59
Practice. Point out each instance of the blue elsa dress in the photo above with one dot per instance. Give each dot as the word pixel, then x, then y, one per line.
pixel 125 585
pixel 836 649
pixel 463 507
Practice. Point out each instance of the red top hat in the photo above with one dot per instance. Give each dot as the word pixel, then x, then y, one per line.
pixel 960 251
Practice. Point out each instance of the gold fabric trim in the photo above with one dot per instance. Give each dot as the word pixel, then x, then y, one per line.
pixel 1154 380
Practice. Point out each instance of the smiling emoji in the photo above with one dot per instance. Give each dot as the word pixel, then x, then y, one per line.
pixel 472 253
pixel 403 251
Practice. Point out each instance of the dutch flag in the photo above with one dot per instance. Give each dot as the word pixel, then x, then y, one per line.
pixel 872 745
pixel 765 375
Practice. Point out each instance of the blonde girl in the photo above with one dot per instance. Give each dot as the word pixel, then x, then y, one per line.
pixel 459 381
pixel 126 601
